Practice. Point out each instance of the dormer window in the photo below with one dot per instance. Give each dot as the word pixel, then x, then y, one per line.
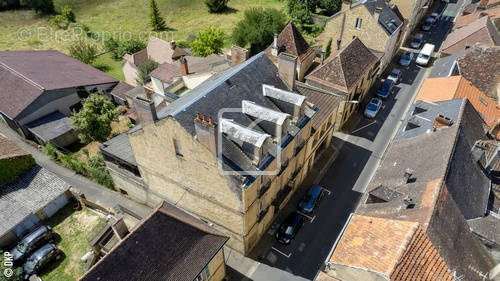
pixel 178 148
pixel 358 23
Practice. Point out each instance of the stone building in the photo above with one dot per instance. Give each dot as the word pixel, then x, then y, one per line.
pixel 372 21
pixel 412 12
pixel 235 170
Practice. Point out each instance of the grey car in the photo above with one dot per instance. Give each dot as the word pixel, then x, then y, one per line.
pixel 41 258
pixel 395 75
pixel 31 242
pixel 373 108
pixel 428 24
pixel 417 41
pixel 406 59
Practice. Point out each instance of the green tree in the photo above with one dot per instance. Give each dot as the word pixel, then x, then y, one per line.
pixel 45 7
pixel 299 13
pixel 93 121
pixel 216 6
pixel 328 48
pixel 257 28
pixel 144 69
pixel 157 21
pixel 68 14
pixel 9 4
pixel 210 41
pixel 83 51
pixel 330 7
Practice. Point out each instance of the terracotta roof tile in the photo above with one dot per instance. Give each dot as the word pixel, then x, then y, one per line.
pixel 480 31
pixel 463 20
pixel 166 72
pixel 345 68
pixel 292 42
pixel 374 244
pixel 325 102
pixel 455 87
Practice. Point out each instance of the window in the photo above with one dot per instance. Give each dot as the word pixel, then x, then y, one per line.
pixel 483 101
pixel 178 148
pixel 358 23
pixel 204 275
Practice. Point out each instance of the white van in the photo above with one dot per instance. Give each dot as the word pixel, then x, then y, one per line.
pixel 425 54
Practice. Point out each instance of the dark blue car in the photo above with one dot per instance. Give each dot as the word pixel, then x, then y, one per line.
pixel 386 89
pixel 311 199
pixel 289 228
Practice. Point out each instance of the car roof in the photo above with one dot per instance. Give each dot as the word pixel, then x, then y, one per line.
pixel 315 189
pixel 39 231
pixel 375 100
pixel 419 35
pixel 45 249
pixel 396 70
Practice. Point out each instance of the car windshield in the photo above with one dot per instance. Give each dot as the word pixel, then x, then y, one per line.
pixel 424 56
pixel 21 247
pixel 417 40
pixel 372 107
pixel 394 75
pixel 289 230
pixel 307 198
pixel 30 264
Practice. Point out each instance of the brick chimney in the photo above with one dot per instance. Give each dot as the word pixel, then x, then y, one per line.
pixel 146 110
pixel 442 121
pixel 376 14
pixel 206 132
pixel 275 48
pixel 346 5
pixel 238 55
pixel 184 66
pixel 287 68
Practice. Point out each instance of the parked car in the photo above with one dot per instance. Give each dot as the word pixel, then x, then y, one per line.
pixel 434 17
pixel 428 24
pixel 384 91
pixel 425 54
pixel 31 242
pixel 373 108
pixel 311 199
pixel 289 228
pixel 40 258
pixel 417 41
pixel 406 59
pixel 395 75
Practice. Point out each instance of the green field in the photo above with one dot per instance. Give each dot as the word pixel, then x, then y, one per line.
pixel 24 30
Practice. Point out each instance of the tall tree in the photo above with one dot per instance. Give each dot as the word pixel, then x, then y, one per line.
pixel 210 41
pixel 328 48
pixel 93 121
pixel 257 28
pixel 40 6
pixel 157 21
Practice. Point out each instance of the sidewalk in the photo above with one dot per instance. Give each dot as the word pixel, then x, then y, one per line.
pixel 93 191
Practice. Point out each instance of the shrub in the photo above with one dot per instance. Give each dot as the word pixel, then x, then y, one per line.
pixel 45 7
pixel 9 4
pixel 182 44
pixel 299 13
pixel 157 21
pixel 210 41
pixel 58 21
pixel 68 14
pixel 93 121
pixel 216 6
pixel 120 48
pixel 257 28
pixel 144 69
pixel 51 151
pixel 328 48
pixel 84 51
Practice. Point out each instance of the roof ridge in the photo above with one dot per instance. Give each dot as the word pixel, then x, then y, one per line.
pixel 20 75
pixel 468 30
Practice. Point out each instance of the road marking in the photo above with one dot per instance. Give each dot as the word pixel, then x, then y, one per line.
pixel 309 217
pixel 359 129
pixel 326 190
pixel 285 255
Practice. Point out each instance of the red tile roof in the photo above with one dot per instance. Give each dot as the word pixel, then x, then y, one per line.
pixel 292 42
pixel 480 31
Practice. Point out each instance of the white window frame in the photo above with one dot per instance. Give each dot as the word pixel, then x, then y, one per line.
pixel 359 22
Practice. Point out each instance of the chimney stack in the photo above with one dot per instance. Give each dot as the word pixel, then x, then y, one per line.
pixel 184 66
pixel 442 121
pixel 206 132
pixel 287 68
pixel 120 228
pixel 407 175
pixel 275 49
pixel 378 11
pixel 408 201
pixel 346 5
pixel 173 45
pixel 238 55
pixel 146 110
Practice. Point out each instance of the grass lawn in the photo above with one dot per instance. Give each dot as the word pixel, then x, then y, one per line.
pixel 73 227
pixel 24 30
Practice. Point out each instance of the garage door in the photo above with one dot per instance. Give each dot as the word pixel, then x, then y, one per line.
pixel 55 205
pixel 25 225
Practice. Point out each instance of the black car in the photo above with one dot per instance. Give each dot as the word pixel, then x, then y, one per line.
pixel 289 228
pixel 386 89
pixel 40 258
pixel 31 242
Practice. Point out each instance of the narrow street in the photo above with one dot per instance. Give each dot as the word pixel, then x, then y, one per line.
pixel 361 151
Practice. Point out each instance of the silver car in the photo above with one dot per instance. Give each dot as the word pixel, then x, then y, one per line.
pixel 406 59
pixel 428 24
pixel 417 41
pixel 434 17
pixel 395 75
pixel 373 108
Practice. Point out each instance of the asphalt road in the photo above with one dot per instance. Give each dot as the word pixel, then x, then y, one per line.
pixel 347 178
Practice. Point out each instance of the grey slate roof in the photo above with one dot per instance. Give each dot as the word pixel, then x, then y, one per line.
pixel 168 245
pixel 487 227
pixel 388 18
pixel 445 67
pixel 30 192
pixel 51 126
pixel 119 147
pixel 420 117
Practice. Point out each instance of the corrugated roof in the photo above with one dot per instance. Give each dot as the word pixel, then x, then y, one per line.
pixel 168 245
